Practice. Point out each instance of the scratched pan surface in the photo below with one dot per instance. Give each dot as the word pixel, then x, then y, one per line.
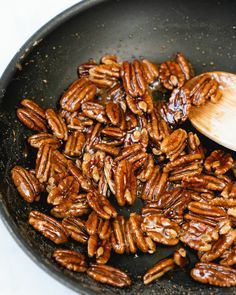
pixel 204 30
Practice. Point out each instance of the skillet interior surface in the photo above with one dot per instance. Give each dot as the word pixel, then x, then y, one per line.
pixel 204 30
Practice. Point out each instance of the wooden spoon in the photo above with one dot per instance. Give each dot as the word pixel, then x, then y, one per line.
pixel 217 121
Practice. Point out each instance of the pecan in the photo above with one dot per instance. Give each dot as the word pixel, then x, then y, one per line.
pixel 109 275
pixel 220 246
pixel 161 230
pixel 171 75
pixel 99 248
pixel 198 235
pixel 76 229
pixel 143 242
pixel 48 226
pixel 229 191
pixel 229 257
pixel 128 152
pixel 32 115
pixel 57 124
pixel 133 78
pixel 204 183
pixel 185 65
pixel 70 259
pixel 118 239
pixel 43 163
pixel 194 145
pixel 140 105
pixel 214 274
pixel 109 59
pixel 108 171
pixel 26 184
pixel 147 169
pixel 219 162
pixel 95 111
pixel 125 183
pixel 75 205
pixel 224 202
pixel 177 109
pixel 79 92
pixel 150 71
pixel 158 270
pixel 174 144
pixel 204 88
pixel 111 150
pixel 113 112
pixel 75 144
pixel 116 93
pixel 180 257
pixel 207 210
pixel 105 75
pixel 93 164
pixel 37 140
pixel 101 205
pixel 155 186
pixel 83 69
pixel 97 225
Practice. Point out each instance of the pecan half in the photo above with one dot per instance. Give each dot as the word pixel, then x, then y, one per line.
pixel 26 184
pixel 70 259
pixel 37 140
pixel 229 191
pixel 219 162
pixel 94 111
pixel 204 183
pixel 147 169
pixel 105 75
pixel 99 226
pixel 83 69
pixel 158 270
pixel 75 144
pixel 214 274
pixel 180 257
pixel 113 112
pixel 150 71
pixel 43 163
pixel 109 275
pixel 229 257
pixel 76 229
pixel 79 92
pixel 57 124
pixel 140 105
pixel 99 248
pixel 48 226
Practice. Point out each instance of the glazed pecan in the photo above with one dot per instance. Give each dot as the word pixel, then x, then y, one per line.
pixel 220 246
pixel 174 144
pixel 99 248
pixel 229 257
pixel 214 274
pixel 76 229
pixel 111 150
pixel 158 270
pixel 185 65
pixel 140 105
pixel 198 236
pixel 80 123
pixel 180 257
pixel 109 173
pixel 109 275
pixel 118 239
pixel 96 225
pixel 48 226
pixel 93 165
pixel 229 191
pixel 161 230
pixel 109 59
pixel 125 183
pixel 95 111
pixel 79 92
pixel 32 115
pixel 105 75
pixel 75 144
pixel 177 109
pixel 43 163
pixel 83 69
pixel 147 169
pixel 113 112
pixel 194 145
pixel 75 205
pixel 129 151
pixel 204 183
pixel 133 78
pixel 116 93
pixel 219 162
pixel 70 259
pixel 224 202
pixel 207 210
pixel 57 124
pixel 101 205
pixel 26 184
pixel 37 140
pixel 150 71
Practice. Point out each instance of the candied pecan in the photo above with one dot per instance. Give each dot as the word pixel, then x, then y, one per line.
pixel 207 210
pixel 125 183
pixel 80 123
pixel 150 71
pixel 198 235
pixel 204 88
pixel 220 246
pixel 194 145
pixel 99 248
pixel 229 257
pixel 76 229
pixel 185 65
pixel 229 191
pixel 129 151
pixel 161 230
pixel 26 184
pixel 93 164
pixel 113 112
pixel 133 78
pixel 143 242
pixel 32 115
pixel 75 144
pixel 113 132
pixel 118 239
pixel 155 186
pixel 174 144
pixel 83 69
pixel 147 169
pixel 214 274
pixel 37 140
pixel 108 171
pixel 111 150
pixel 75 205
pixel 116 93
pixel 140 105
pixel 97 225
pixel 105 75
pixel 219 162
pixel 94 111
pixel 79 92
pixel 158 270
pixel 109 275
pixel 204 183
pixel 223 202
pixel 66 187
pixel 57 124
pixel 180 257
pixel 101 205
pixel 70 259
pixel 177 109
pixel 109 59
pixel 43 163
pixel 48 226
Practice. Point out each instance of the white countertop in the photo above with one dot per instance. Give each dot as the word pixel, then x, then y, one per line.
pixel 19 20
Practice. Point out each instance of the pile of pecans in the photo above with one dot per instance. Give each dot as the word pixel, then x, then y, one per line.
pixel 111 143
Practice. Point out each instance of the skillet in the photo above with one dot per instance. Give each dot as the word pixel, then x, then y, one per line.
pixel 204 30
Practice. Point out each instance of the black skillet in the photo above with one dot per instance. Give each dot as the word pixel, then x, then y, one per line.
pixel 204 30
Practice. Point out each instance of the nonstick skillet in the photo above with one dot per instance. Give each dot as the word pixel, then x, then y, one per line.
pixel 204 30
